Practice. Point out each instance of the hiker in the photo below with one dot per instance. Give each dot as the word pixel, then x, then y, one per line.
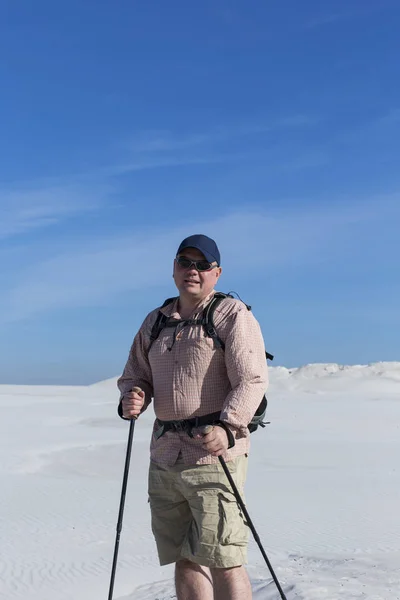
pixel 196 378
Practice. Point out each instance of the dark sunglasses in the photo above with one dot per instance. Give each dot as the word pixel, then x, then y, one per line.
pixel 199 265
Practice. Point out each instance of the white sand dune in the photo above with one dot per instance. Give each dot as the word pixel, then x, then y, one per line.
pixel 323 490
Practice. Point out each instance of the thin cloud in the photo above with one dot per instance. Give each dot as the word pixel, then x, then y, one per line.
pixel 384 127
pixel 160 163
pixel 38 207
pixel 329 19
pixel 44 204
pixel 390 118
pixel 93 274
pixel 346 15
pixel 154 142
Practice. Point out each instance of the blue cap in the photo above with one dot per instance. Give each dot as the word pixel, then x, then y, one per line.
pixel 203 243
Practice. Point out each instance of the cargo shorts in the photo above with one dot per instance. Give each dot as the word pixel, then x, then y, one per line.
pixel 195 515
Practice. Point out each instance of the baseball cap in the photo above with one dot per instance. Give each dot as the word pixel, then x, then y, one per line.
pixel 203 243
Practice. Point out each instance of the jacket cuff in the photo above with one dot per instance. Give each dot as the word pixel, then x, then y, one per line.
pixel 119 410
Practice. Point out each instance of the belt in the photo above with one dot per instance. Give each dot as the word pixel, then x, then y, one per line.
pixel 187 425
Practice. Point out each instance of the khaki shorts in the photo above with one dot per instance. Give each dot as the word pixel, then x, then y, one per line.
pixel 194 513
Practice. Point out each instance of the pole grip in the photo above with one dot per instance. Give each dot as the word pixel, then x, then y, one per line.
pixel 207 429
pixel 137 390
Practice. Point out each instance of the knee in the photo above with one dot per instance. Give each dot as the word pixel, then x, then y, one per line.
pixel 184 564
pixel 221 573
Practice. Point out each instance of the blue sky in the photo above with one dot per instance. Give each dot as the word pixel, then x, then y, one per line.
pixel 272 126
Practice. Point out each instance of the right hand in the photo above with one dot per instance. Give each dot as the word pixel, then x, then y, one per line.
pixel 132 403
pixel 215 440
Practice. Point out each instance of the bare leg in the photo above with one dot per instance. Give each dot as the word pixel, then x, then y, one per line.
pixel 193 582
pixel 231 584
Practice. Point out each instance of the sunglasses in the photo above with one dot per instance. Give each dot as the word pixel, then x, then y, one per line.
pixel 199 265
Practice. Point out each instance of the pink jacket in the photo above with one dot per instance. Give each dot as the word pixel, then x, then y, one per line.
pixel 188 377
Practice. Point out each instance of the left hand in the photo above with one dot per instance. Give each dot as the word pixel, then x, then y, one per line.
pixel 216 441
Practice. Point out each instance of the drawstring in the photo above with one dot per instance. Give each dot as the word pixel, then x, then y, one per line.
pixel 179 328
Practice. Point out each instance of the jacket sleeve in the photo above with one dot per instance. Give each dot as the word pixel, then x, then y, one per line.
pixel 137 371
pixel 247 370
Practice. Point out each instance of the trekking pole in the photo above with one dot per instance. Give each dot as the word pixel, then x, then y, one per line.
pixel 208 429
pixel 122 501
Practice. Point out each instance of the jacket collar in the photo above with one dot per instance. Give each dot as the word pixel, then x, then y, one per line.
pixel 171 310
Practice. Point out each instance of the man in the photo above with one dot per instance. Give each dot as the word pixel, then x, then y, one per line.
pixel 196 521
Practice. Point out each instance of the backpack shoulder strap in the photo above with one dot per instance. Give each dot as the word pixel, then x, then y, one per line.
pixel 208 319
pixel 168 301
pixel 160 322
pixel 268 356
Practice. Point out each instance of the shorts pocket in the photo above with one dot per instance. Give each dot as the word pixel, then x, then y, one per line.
pixel 233 528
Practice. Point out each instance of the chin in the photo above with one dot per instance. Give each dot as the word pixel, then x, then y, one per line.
pixel 190 291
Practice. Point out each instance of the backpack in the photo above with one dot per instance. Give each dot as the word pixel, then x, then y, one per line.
pixel 206 320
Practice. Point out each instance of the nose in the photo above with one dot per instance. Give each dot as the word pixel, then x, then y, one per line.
pixel 191 268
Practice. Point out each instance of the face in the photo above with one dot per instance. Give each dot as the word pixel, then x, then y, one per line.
pixel 192 283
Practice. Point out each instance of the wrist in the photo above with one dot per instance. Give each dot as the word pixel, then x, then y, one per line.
pixel 230 432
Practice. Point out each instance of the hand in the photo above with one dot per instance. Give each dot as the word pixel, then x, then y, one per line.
pixel 216 441
pixel 132 403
